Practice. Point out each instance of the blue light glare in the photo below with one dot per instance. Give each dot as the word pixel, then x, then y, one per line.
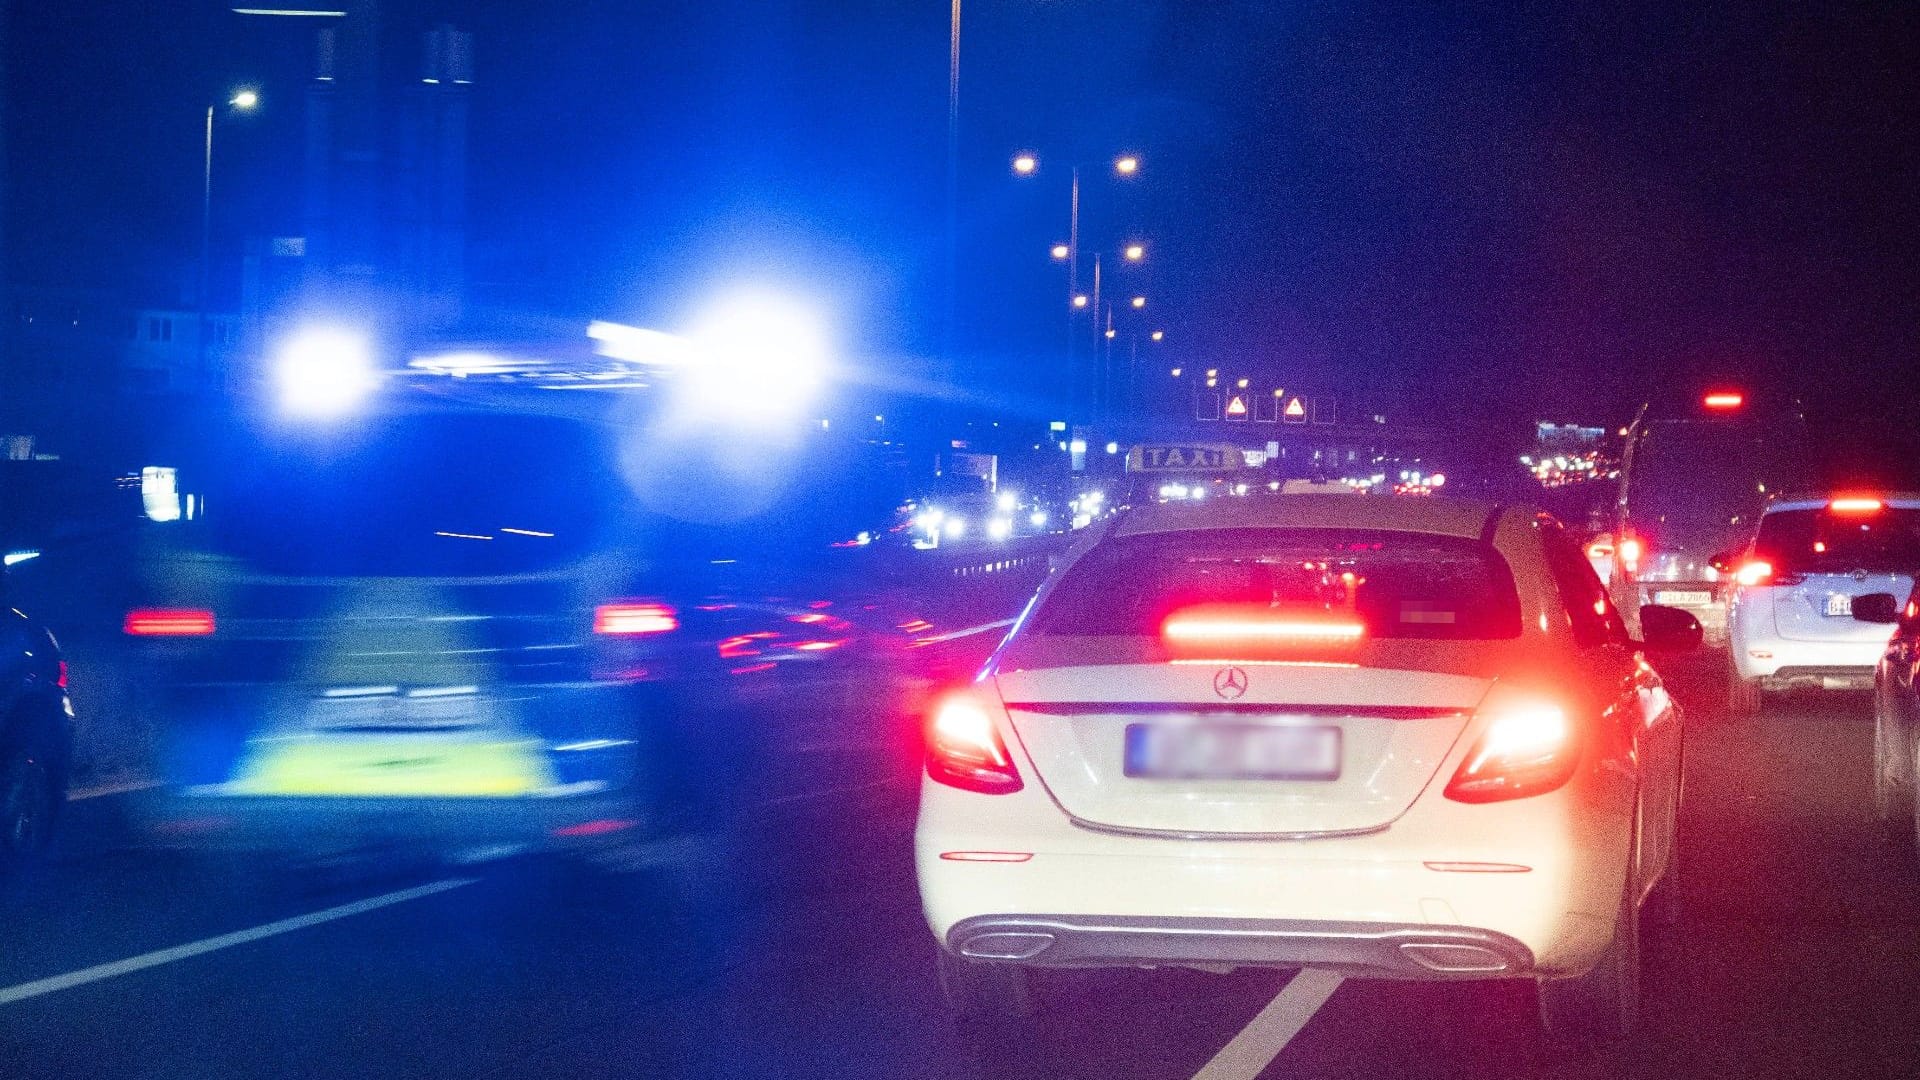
pixel 324 372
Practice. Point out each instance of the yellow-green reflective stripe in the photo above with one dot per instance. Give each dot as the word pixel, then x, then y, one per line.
pixel 392 766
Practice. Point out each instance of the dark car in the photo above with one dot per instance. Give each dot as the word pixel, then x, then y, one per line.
pixel 430 625
pixel 1896 714
pixel 36 733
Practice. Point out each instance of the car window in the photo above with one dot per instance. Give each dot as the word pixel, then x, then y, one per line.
pixel 427 494
pixel 1590 611
pixel 1822 541
pixel 1402 585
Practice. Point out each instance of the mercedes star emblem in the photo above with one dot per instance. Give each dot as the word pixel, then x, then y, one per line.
pixel 1230 682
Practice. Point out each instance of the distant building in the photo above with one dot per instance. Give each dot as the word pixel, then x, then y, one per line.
pixel 82 362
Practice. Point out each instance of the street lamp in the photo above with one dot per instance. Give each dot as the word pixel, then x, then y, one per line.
pixel 1176 373
pixel 1158 335
pixel 1139 301
pixel 243 100
pixel 1027 163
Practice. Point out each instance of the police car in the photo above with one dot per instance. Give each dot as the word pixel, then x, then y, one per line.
pixel 432 623
pixel 1396 738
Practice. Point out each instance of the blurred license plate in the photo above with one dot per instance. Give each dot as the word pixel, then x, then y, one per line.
pixel 1839 604
pixel 393 712
pixel 1682 598
pixel 1232 752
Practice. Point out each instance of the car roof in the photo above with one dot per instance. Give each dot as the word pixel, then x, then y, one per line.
pixel 1443 516
pixel 1899 500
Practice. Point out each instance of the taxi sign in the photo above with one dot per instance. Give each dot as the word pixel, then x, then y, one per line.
pixel 1183 458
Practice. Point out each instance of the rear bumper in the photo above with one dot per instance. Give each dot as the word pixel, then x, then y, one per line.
pixel 1782 663
pixel 309 823
pixel 1819 678
pixel 1372 950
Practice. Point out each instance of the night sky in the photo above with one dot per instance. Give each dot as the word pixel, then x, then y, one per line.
pixel 1483 211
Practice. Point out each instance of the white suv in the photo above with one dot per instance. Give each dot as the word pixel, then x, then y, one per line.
pixel 1400 738
pixel 1790 622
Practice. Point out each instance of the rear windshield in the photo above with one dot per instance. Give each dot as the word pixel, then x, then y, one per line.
pixel 415 495
pixel 1820 541
pixel 1697 488
pixel 1400 585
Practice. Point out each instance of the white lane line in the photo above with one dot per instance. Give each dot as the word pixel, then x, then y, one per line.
pixel 847 790
pixel 100 791
pixel 966 632
pixel 56 983
pixel 1268 1033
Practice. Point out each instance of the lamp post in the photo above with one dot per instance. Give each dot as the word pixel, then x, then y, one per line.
pixel 1027 163
pixel 243 101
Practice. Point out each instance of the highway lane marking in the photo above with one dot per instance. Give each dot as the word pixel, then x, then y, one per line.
pixel 101 791
pixel 56 983
pixel 1269 1032
pixel 969 631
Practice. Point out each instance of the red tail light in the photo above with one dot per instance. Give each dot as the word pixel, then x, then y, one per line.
pixel 635 617
pixel 964 748
pixel 1631 551
pixel 168 622
pixel 1257 632
pixel 1856 504
pixel 1527 750
pixel 1754 572
pixel 1724 400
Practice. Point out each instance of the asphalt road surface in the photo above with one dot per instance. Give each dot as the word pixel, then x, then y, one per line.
pixel 783 939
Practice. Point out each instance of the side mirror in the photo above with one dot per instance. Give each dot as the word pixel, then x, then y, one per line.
pixel 1725 562
pixel 1877 607
pixel 1669 630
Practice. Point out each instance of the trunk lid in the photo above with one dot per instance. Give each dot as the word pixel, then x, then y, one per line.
pixel 1203 760
pixel 1820 606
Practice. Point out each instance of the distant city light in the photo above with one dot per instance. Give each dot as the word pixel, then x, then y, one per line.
pixel 160 493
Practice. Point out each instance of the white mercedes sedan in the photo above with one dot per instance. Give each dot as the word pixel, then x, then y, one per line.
pixel 1390 737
